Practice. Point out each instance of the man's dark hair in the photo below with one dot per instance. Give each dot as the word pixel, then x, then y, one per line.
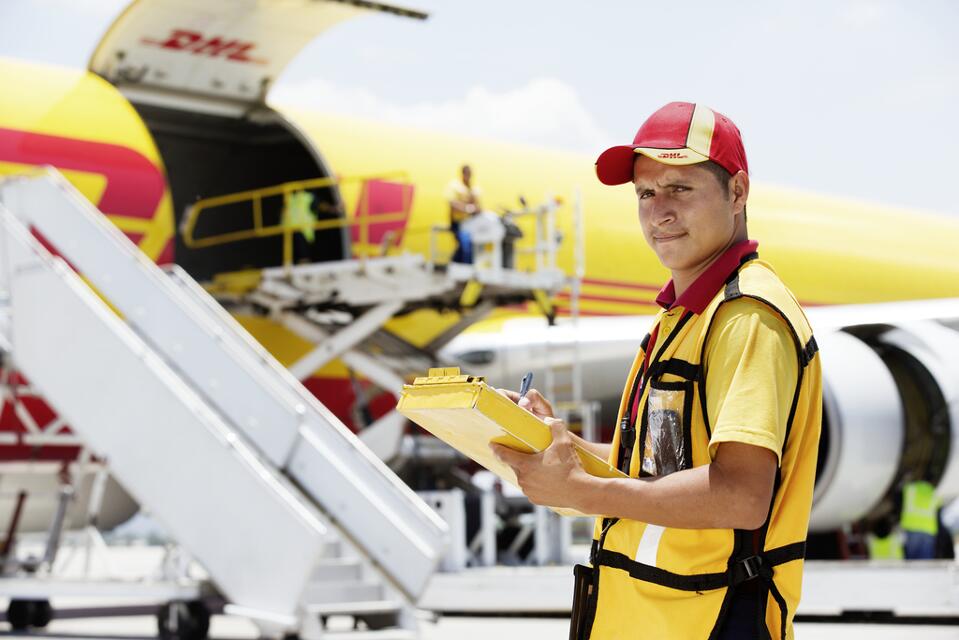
pixel 722 175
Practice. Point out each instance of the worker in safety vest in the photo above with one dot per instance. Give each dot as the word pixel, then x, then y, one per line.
pixel 298 216
pixel 885 542
pixel 719 421
pixel 920 519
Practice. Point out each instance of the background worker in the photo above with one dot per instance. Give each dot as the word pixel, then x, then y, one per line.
pixel 298 215
pixel 884 542
pixel 720 418
pixel 464 199
pixel 920 519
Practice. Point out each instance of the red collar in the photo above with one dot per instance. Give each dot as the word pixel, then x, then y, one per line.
pixel 701 292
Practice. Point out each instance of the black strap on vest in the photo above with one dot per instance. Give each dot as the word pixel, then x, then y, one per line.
pixel 627 426
pixel 750 568
pixel 755 566
pixel 676 367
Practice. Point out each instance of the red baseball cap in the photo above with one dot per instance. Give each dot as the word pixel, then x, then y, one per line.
pixel 679 133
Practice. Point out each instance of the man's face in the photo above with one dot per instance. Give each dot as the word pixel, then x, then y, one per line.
pixel 467 175
pixel 686 215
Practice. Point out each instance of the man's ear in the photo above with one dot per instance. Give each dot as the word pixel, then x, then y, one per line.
pixel 739 190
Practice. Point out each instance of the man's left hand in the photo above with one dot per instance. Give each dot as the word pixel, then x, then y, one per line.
pixel 553 477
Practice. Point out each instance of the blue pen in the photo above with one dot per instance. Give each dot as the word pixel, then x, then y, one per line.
pixel 524 385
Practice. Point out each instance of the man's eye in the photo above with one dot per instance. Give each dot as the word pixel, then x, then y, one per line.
pixel 680 188
pixel 645 194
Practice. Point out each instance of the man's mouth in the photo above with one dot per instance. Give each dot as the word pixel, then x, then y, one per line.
pixel 666 237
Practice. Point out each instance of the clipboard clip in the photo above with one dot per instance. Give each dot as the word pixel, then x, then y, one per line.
pixel 446 375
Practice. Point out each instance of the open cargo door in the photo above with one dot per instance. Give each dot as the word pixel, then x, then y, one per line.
pixel 227 49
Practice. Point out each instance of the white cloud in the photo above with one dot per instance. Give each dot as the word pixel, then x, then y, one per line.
pixel 864 14
pixel 543 112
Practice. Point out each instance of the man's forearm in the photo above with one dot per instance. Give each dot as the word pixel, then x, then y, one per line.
pixel 699 498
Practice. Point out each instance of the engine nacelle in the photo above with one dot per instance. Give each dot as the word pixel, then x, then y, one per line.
pixel 890 413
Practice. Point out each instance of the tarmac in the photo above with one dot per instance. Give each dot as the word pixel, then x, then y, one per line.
pixel 453 628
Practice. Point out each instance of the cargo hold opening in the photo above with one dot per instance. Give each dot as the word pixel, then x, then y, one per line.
pixel 211 155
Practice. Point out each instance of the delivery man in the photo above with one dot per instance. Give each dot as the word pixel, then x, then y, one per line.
pixel 719 422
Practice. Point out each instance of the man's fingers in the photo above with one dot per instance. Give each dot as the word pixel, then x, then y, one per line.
pixel 557 427
pixel 512 395
pixel 536 403
pixel 533 401
pixel 509 456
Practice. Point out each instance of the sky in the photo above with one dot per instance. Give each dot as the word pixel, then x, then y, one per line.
pixel 852 98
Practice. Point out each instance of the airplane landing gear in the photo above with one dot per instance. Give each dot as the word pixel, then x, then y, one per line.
pixel 180 620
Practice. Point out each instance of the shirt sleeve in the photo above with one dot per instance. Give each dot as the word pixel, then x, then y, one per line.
pixel 453 192
pixel 751 373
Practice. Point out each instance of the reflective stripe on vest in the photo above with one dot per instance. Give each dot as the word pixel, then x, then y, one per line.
pixel 919 507
pixel 679 582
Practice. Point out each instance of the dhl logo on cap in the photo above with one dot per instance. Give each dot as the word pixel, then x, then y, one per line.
pixel 680 133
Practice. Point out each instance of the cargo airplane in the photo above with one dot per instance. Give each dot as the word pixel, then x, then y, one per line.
pixel 174 107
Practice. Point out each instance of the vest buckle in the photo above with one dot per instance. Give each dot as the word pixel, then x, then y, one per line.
pixel 748 569
pixel 627 434
pixel 751 565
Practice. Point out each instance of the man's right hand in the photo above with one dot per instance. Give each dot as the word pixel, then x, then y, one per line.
pixel 533 401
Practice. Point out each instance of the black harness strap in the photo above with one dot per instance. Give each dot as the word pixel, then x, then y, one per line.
pixel 627 435
pixel 675 366
pixel 756 566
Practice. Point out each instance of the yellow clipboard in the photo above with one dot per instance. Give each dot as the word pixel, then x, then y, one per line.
pixel 467 414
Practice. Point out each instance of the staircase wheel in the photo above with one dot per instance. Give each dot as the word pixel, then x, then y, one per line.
pixel 183 620
pixel 42 614
pixel 19 614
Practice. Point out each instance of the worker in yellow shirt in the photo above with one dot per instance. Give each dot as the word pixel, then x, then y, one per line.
pixel 464 200
pixel 719 422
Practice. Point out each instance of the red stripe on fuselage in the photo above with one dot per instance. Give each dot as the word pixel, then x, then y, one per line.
pixel 134 187
pixel 621 284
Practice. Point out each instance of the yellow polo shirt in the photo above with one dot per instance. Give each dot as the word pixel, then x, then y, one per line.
pixel 751 374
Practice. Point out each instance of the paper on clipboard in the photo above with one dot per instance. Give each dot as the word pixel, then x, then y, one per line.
pixel 468 414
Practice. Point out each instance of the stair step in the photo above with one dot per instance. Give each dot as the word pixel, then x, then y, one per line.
pixel 328 569
pixel 354 608
pixel 348 591
pixel 331 548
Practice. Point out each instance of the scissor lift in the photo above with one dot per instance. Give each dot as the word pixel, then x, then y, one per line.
pixel 342 306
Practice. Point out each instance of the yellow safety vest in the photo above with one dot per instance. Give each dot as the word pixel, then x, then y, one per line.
pixel 298 214
pixel 664 583
pixel 888 548
pixel 919 508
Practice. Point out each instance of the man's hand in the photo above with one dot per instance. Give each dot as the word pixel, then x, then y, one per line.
pixel 533 401
pixel 553 477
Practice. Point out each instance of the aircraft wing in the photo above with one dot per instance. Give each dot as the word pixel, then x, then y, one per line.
pixel 835 317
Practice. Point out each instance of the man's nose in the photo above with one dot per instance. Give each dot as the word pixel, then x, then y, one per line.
pixel 663 211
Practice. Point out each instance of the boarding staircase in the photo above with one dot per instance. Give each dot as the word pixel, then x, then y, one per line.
pixel 293 518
